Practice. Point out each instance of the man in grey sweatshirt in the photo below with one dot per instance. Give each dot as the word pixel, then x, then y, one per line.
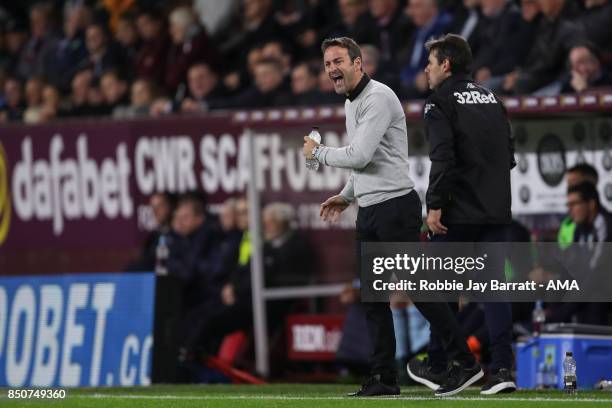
pixel 389 208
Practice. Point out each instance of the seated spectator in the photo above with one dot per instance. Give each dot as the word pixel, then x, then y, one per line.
pixel 150 60
pixel 586 71
pixel 33 96
pixel 43 39
pixel 80 100
pixel 114 90
pixel 596 23
pixel 371 66
pixel 268 90
pixel 429 21
pixel 304 86
pixel 15 37
pixel 63 61
pixel 102 54
pixel 467 21
pixel 288 257
pixel 280 51
pixel 241 79
pixel 505 34
pixel 162 205
pixel 126 37
pixel 50 103
pixel 142 95
pixel 555 35
pixel 13 103
pixel 350 12
pixel 190 43
pixel 204 89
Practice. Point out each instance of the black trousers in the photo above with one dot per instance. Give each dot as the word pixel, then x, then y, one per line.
pixel 498 315
pixel 399 220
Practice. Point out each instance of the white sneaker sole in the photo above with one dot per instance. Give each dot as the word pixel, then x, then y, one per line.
pixel 507 386
pixel 469 382
pixel 429 384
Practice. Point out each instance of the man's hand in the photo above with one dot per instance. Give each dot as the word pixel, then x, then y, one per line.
pixel 579 82
pixel 332 207
pixel 434 224
pixel 309 144
pixel 509 81
pixel 227 295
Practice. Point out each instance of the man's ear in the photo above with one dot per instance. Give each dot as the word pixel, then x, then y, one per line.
pixel 357 63
pixel 446 66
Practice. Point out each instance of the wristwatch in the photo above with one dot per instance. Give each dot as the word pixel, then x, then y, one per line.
pixel 315 150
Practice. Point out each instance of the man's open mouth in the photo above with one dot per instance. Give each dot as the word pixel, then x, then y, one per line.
pixel 337 78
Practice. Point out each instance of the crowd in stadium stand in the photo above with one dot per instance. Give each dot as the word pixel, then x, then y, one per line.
pixel 139 58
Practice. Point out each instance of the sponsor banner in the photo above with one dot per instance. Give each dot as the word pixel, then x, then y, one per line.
pixel 74 196
pixel 314 337
pixel 76 330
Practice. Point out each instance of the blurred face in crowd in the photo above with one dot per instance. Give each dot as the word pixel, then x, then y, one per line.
pixel 422 11
pixel 33 91
pixel 51 97
pixel 529 9
pixel 302 80
pixel 344 73
pixel 71 22
pixel 275 50
pixel 148 27
pixel 435 71
pixel 551 8
pixel 95 39
pixel 255 9
pixel 162 211
pixel 580 211
pixel 39 22
pixel 13 92
pixel 227 215
pixel 186 220
pixel 470 4
pixel 491 7
pixel 253 58
pixel 126 33
pixel 350 10
pixel 242 214
pixel 268 77
pixel 382 8
pixel 15 41
pixel 576 177
pixel 80 86
pixel 181 21
pixel 273 226
pixel 201 80
pixel 370 60
pixel 113 89
pixel 594 3
pixel 584 63
pixel 140 93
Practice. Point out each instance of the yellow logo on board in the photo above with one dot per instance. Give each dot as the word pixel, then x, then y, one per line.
pixel 5 197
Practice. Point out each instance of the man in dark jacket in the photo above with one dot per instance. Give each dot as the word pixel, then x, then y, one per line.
pixel 468 199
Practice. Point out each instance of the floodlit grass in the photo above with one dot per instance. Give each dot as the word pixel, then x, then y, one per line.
pixel 300 395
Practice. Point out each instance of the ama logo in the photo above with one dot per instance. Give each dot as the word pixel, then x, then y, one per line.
pixel 5 199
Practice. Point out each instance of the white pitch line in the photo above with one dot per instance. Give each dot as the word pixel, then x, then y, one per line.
pixel 298 398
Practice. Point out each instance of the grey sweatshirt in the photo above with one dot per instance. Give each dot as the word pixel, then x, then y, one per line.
pixel 378 149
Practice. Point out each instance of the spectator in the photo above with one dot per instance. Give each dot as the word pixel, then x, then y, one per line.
pixel 387 27
pixel 114 90
pixel 42 41
pixel 288 257
pixel 150 60
pixel 15 36
pixel 126 36
pixel 429 21
pixel 596 23
pixel 351 11
pixel 33 96
pixel 371 66
pixel 586 71
pixel 304 86
pixel 142 95
pixel 505 34
pixel 50 103
pixel 554 37
pixel 13 106
pixel 102 54
pixel 204 89
pixel 79 102
pixel 268 90
pixel 63 61
pixel 278 50
pixel 467 23
pixel 190 43
pixel 162 205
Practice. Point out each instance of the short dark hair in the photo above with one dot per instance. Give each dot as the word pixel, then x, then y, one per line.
pixel 455 49
pixel 197 201
pixel 343 42
pixel 271 61
pixel 586 190
pixel 585 170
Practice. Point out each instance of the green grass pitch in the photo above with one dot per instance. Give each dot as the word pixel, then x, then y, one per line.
pixel 300 395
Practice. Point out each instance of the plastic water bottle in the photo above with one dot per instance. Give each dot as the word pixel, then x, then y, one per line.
pixel 161 256
pixel 569 373
pixel 313 164
pixel 538 318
